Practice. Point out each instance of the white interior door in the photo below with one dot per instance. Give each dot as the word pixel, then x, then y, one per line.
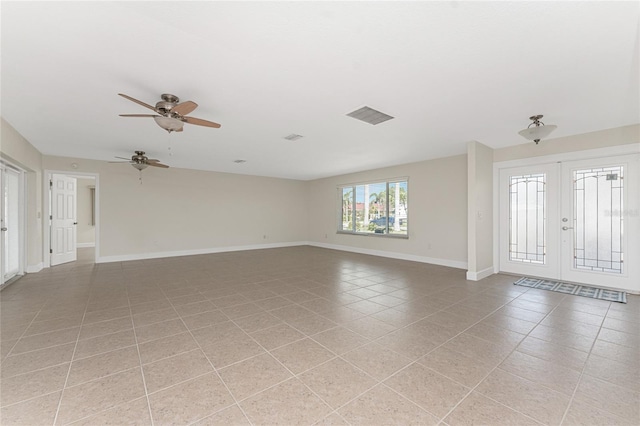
pixel 63 219
pixel 10 223
pixel 575 221
pixel 600 222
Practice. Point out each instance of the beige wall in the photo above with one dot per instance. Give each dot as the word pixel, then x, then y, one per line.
pixel 177 211
pixel 86 231
pixel 600 139
pixel 480 210
pixel 17 150
pixel 437 207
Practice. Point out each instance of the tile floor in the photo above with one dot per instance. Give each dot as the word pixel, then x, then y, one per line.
pixel 306 335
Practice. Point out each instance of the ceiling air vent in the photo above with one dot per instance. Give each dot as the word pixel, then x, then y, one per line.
pixel 370 115
pixel 293 137
pixel 239 161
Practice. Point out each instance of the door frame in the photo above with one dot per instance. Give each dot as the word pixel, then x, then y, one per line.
pixel 22 214
pixel 588 154
pixel 46 238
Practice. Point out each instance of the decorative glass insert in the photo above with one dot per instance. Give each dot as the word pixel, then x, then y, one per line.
pixel 527 218
pixel 598 219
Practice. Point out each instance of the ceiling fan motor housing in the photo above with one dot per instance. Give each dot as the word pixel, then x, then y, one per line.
pixel 167 103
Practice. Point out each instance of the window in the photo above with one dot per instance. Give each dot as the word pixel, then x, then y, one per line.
pixel 375 208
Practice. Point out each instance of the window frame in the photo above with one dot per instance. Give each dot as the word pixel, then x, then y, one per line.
pixel 353 186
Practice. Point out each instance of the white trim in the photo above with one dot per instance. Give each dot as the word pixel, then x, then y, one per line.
pixel 477 276
pixel 85 245
pixel 587 154
pixel 393 255
pixel 157 255
pixel 374 181
pixel 32 269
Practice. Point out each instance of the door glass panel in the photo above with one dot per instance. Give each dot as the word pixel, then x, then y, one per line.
pixel 598 219
pixel 527 218
pixel 11 222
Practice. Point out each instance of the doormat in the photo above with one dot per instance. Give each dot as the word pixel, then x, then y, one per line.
pixel 575 289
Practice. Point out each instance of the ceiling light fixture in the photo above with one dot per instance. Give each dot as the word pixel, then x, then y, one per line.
pixel 140 166
pixel 540 131
pixel 169 124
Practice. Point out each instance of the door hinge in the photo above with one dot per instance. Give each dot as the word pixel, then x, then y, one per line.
pixel 51 183
pixel 51 217
pixel 50 251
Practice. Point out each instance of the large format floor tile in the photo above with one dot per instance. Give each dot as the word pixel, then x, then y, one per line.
pixel 304 335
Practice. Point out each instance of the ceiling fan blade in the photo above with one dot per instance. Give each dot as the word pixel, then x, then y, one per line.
pixel 154 164
pixel 201 122
pixel 184 108
pixel 153 160
pixel 137 101
pixel 122 158
pixel 120 161
pixel 138 115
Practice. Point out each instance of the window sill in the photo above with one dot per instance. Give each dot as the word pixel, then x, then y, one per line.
pixel 367 234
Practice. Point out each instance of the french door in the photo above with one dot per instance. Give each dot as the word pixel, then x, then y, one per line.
pixel 575 221
pixel 10 223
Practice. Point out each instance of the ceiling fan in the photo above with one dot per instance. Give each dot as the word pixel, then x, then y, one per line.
pixel 141 161
pixel 172 113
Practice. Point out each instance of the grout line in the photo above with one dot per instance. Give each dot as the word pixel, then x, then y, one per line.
pixel 582 372
pixel 469 296
pixel 212 366
pixel 135 337
pixel 22 335
pixel 66 380
pixel 471 389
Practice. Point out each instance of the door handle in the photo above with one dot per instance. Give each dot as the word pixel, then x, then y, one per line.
pixel 75 223
pixel 3 229
pixel 564 228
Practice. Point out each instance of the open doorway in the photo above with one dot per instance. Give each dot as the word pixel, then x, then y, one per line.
pixel 71 233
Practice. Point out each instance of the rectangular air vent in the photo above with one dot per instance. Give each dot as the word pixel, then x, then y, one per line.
pixel 293 137
pixel 370 115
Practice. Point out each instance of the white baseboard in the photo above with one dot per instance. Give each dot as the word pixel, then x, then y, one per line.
pixel 32 269
pixel 393 255
pixel 157 255
pixel 84 245
pixel 477 276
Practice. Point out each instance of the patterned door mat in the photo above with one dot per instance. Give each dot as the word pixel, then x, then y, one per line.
pixel 575 289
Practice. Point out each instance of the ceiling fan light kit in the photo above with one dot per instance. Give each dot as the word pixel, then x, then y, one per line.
pixel 172 114
pixel 140 161
pixel 539 130
pixel 140 166
pixel 169 124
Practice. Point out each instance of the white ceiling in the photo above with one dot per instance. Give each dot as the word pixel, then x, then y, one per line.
pixel 450 72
